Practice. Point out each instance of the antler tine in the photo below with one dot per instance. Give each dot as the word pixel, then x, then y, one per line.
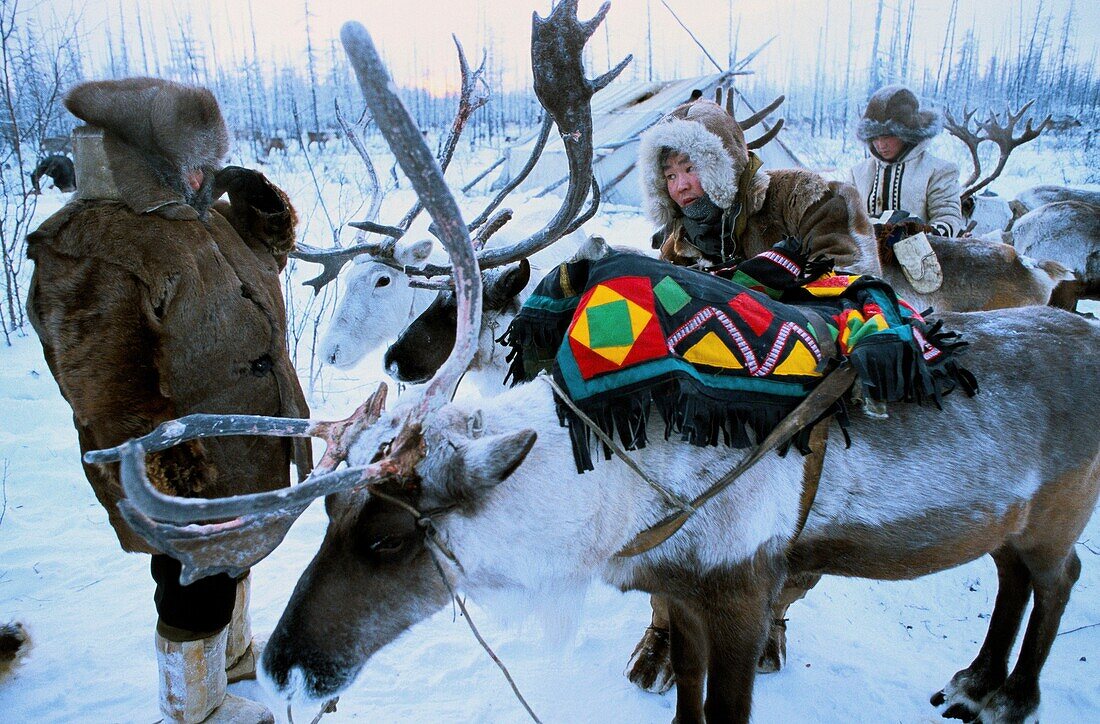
pixel 970 139
pixel 494 225
pixel 352 135
pixel 761 114
pixel 416 160
pixel 150 502
pixel 333 260
pixel 768 136
pixel 466 107
pixel 1001 134
pixel 588 27
pixel 557 45
pixel 536 151
pixel 729 100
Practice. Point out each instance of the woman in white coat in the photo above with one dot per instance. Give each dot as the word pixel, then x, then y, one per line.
pixel 901 174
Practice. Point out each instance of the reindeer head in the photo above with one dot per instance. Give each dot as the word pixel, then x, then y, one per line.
pixel 377 299
pixel 384 560
pixel 426 342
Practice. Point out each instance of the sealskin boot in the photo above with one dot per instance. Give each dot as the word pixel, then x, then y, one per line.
pixel 193 680
pixel 242 651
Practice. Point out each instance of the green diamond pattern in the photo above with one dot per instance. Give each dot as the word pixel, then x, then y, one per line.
pixel 672 295
pixel 609 325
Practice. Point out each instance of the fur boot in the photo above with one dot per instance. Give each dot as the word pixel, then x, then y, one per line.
pixel 241 649
pixel 193 680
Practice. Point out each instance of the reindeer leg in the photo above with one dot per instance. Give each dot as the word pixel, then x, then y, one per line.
pixel 737 621
pixel 775 648
pixel 650 667
pixel 1018 699
pixel 688 651
pixel 969 689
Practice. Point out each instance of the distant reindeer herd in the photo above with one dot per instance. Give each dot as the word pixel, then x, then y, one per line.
pixel 439 495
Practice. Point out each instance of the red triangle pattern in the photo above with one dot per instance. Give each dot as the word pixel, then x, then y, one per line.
pixel 753 312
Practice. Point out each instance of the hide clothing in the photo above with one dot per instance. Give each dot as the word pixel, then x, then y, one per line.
pixel 759 207
pixel 915 182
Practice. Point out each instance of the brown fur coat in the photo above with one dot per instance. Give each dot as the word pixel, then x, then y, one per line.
pixel 793 202
pixel 144 317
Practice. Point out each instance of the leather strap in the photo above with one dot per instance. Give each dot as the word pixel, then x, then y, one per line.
pixel 811 473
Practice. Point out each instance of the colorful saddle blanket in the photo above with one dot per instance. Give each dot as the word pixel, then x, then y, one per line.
pixel 716 357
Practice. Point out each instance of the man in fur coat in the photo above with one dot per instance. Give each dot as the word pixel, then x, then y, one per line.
pixel 901 173
pixel 717 206
pixel 153 300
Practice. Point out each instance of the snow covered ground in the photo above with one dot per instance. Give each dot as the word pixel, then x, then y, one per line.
pixel 858 650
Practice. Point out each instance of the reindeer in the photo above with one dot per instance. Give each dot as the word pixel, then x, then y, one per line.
pixel 274 143
pixel 318 138
pixel 453 496
pixel 1036 196
pixel 1069 233
pixel 60 170
pixel 377 299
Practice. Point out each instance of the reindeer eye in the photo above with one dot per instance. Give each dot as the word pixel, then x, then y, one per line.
pixel 382 282
pixel 387 544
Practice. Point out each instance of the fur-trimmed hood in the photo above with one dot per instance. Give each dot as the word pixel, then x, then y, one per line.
pixel 895 111
pixel 711 138
pixel 154 132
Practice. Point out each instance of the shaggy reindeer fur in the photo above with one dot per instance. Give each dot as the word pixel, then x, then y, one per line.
pixel 921 491
pixel 1067 232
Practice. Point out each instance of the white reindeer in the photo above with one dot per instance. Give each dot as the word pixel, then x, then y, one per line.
pixel 377 300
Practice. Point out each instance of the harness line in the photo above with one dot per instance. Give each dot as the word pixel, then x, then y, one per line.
pixel 431 535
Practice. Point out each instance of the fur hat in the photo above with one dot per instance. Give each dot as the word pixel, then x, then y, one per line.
pixel 154 132
pixel 711 138
pixel 894 111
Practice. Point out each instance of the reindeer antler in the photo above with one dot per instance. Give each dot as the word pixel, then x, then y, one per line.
pixel 333 260
pixel 971 139
pixel 1001 134
pixel 997 132
pixel 256 523
pixel 557 45
pixel 755 118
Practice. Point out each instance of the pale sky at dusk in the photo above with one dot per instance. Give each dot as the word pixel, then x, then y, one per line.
pixel 417 33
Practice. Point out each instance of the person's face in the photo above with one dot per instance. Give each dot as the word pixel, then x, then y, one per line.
pixel 887 146
pixel 681 180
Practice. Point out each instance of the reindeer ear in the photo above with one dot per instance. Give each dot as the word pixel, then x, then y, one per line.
pixel 488 461
pixel 414 253
pixel 504 288
pixel 594 247
pixel 515 279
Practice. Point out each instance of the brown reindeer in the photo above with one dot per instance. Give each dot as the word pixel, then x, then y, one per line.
pixel 272 144
pixel 318 139
pixel 439 501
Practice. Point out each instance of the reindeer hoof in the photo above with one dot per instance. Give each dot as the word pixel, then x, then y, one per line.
pixel 1011 705
pixel 775 649
pixel 960 711
pixel 650 667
